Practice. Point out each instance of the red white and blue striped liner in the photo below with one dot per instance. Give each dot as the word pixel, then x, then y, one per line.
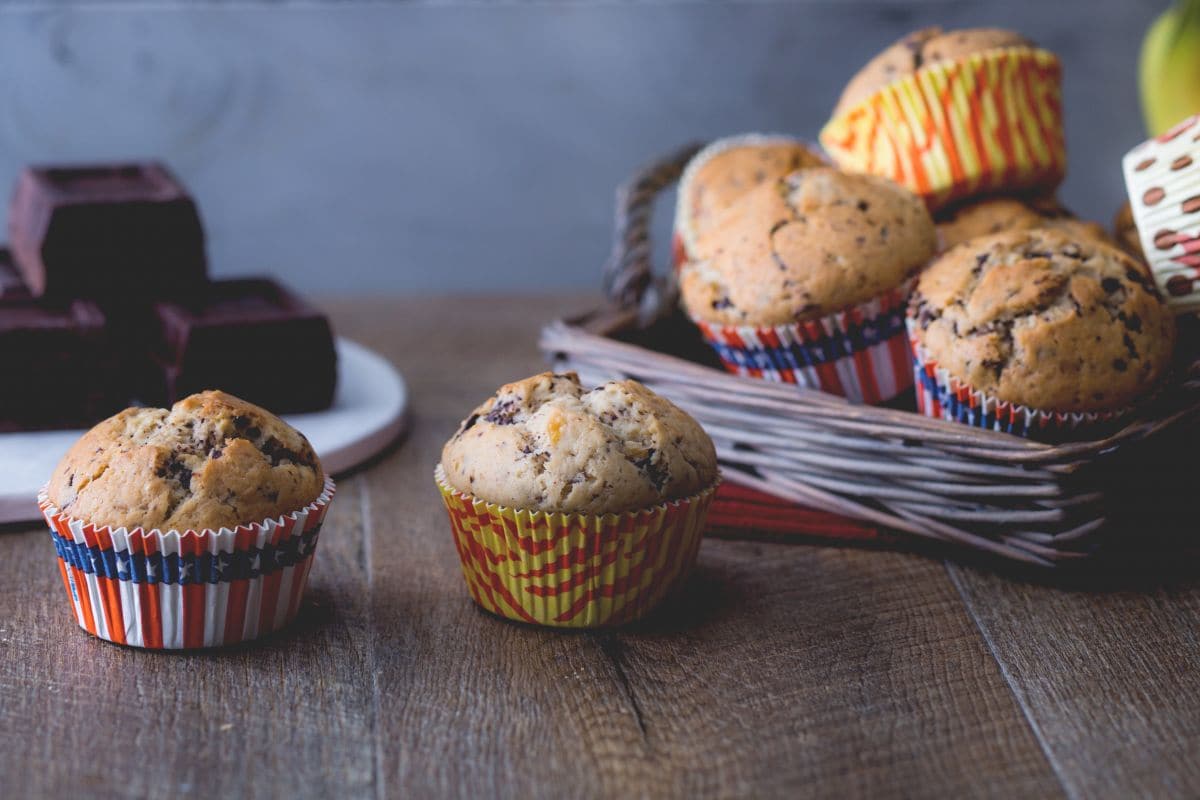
pixel 860 353
pixel 942 396
pixel 168 591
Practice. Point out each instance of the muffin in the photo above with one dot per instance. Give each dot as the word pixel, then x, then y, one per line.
pixel 915 113
pixel 999 214
pixel 1125 232
pixel 1035 333
pixel 724 171
pixel 573 507
pixel 1162 177
pixel 216 500
pixel 804 281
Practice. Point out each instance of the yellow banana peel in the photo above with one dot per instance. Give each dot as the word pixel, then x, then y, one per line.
pixel 1169 70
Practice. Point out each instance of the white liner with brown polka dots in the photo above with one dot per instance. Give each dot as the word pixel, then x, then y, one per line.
pixel 1162 176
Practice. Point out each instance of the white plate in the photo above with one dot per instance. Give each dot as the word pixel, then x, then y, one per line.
pixel 369 411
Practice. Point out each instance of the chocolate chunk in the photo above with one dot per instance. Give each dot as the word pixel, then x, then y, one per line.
pixel 12 287
pixel 58 365
pixel 502 413
pixel 249 337
pixel 106 231
pixel 655 471
pixel 1110 285
pixel 1119 364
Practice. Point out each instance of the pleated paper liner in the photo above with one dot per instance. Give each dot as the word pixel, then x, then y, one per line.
pixel 941 396
pixel 574 570
pixel 1162 177
pixel 167 591
pixel 988 122
pixel 860 353
pixel 683 237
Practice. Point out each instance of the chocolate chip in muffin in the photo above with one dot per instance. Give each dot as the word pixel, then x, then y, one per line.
pixel 175 470
pixel 561 448
pixel 1023 321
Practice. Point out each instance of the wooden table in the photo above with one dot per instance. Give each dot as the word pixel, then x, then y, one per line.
pixel 784 669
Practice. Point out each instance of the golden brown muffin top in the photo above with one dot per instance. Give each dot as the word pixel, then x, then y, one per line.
pixel 917 49
pixel 727 169
pixel 999 214
pixel 806 245
pixel 546 443
pixel 212 461
pixel 1046 321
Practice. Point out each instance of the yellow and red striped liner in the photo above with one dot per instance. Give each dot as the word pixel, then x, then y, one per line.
pixel 953 129
pixel 574 570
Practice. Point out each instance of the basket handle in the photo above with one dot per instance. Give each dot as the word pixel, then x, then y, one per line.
pixel 629 279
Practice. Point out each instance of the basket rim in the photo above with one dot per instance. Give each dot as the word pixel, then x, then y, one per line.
pixel 559 332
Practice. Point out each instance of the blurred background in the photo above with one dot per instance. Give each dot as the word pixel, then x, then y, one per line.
pixel 444 146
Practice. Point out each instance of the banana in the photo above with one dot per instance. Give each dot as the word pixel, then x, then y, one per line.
pixel 1169 69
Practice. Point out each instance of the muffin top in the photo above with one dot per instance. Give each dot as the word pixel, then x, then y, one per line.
pixel 1043 320
pixel 548 444
pixel 212 461
pixel 728 168
pixel 999 214
pixel 805 245
pixel 917 49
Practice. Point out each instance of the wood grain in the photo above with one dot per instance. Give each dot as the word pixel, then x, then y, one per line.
pixel 780 670
pixel 780 667
pixel 291 715
pixel 1108 674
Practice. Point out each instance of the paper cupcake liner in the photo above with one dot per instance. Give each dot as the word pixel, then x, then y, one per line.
pixel 941 396
pixel 860 353
pixel 573 570
pixel 682 239
pixel 167 591
pixel 1162 177
pixel 953 129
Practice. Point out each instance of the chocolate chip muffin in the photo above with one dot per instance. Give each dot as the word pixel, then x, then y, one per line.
pixel 805 245
pixel 1126 234
pixel 1042 320
pixel 999 214
pixel 212 461
pixel 727 169
pixel 548 444
pixel 919 49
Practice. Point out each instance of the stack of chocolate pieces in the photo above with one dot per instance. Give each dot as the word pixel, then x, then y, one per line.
pixel 105 300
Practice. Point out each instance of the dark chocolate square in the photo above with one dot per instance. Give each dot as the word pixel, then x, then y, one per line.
pixel 12 287
pixel 58 366
pixel 104 231
pixel 249 337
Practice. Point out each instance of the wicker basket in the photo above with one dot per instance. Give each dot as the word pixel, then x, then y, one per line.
pixel 1034 502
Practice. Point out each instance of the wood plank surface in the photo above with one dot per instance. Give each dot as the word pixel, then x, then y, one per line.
pixel 1108 674
pixel 289 716
pixel 781 669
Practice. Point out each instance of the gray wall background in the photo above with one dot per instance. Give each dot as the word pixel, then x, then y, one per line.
pixel 429 146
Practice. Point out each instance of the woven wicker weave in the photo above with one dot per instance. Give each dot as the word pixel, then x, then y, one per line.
pixel 1021 499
